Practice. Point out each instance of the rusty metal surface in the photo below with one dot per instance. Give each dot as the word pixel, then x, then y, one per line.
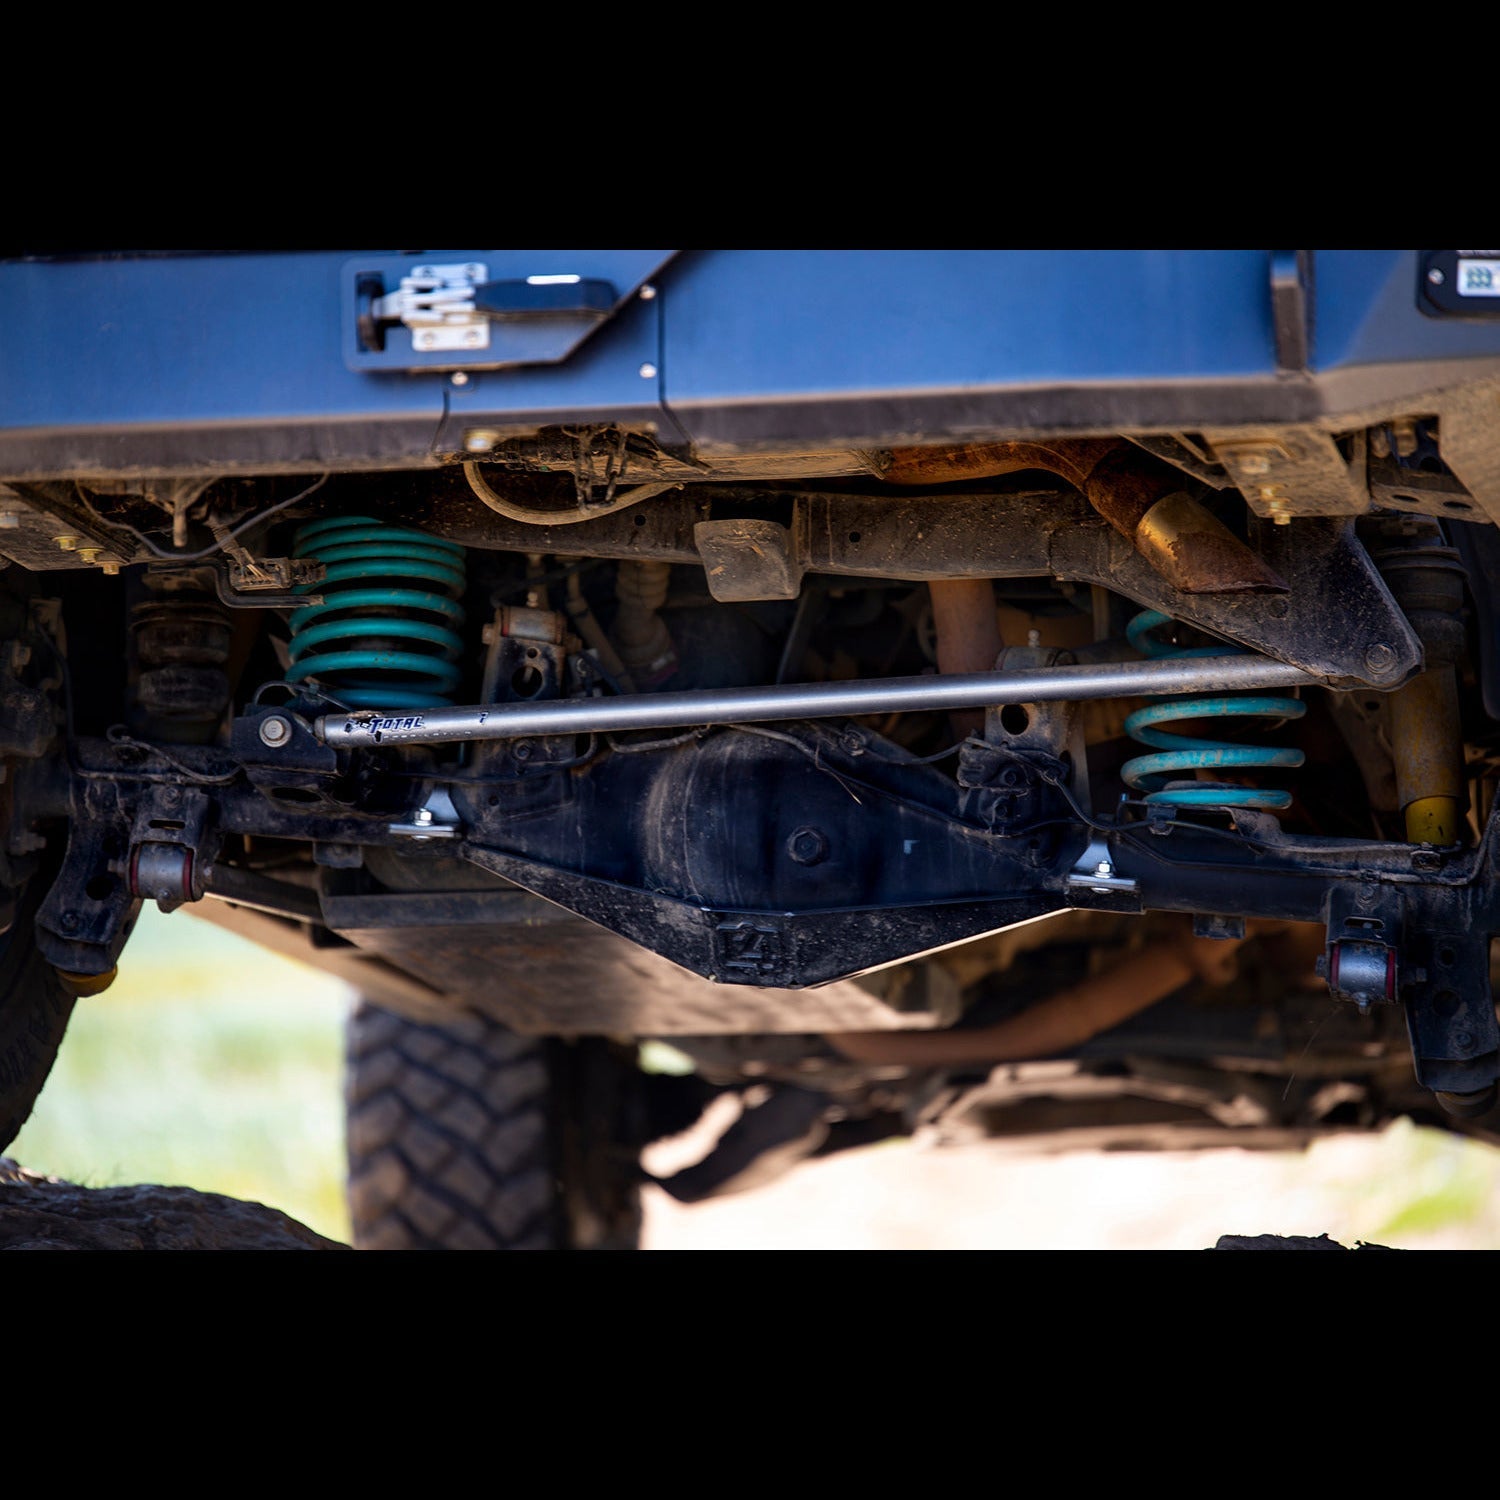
pixel 968 637
pixel 1071 458
pixel 1196 553
pixel 1190 547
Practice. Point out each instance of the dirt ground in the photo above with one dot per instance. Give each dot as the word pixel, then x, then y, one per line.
pixel 1406 1189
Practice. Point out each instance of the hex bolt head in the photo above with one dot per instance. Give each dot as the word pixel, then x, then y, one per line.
pixel 808 846
pixel 274 730
pixel 1380 659
pixel 423 815
pixel 67 543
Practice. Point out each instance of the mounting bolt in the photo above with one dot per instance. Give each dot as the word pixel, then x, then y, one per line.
pixel 67 543
pixel 1380 659
pixel 522 750
pixel 458 377
pixel 1463 1040
pixel 274 730
pixel 111 569
pixel 648 371
pixel 480 440
pixel 808 846
pixel 1435 276
pixel 422 816
pixel 69 921
pixel 1255 463
pixel 1104 869
pixel 647 292
pixel 90 554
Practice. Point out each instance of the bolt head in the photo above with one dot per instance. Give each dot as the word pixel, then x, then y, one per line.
pixel 1255 463
pixel 1380 658
pixel 1435 276
pixel 274 730
pixel 808 846
pixel 66 543
pixel 480 441
pixel 1104 869
pixel 458 377
pixel 647 292
pixel 521 750
pixel 423 815
pixel 648 371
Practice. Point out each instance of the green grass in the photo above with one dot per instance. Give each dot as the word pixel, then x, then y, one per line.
pixel 211 1064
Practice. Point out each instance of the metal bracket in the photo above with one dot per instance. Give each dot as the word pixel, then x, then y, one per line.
pixel 1095 871
pixel 1291 308
pixel 267 582
pixel 437 818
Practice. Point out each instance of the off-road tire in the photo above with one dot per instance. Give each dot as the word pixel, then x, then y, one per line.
pixel 467 1136
pixel 35 1006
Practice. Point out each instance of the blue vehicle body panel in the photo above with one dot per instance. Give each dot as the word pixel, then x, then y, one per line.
pixel 234 362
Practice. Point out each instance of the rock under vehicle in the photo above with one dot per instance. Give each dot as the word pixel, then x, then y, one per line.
pixel 1001 693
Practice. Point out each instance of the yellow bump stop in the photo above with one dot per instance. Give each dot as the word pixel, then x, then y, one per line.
pixel 1432 820
pixel 80 985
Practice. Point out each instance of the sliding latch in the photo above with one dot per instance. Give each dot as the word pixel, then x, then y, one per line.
pixel 452 307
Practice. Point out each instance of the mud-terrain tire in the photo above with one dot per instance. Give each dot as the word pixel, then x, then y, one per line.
pixel 35 1006
pixel 467 1136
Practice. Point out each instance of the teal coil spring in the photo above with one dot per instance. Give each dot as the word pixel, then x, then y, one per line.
pixel 1150 773
pixel 386 634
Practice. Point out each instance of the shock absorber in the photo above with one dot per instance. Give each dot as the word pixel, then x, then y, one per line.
pixel 386 634
pixel 1427 579
pixel 1179 752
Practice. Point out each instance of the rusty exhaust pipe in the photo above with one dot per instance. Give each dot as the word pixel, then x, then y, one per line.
pixel 1141 497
